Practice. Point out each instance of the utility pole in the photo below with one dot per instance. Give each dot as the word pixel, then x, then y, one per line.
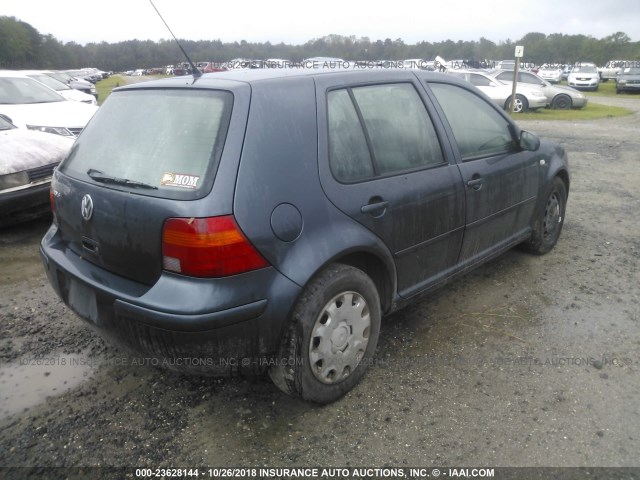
pixel 518 55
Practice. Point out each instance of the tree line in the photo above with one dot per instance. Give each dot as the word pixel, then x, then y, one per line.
pixel 23 47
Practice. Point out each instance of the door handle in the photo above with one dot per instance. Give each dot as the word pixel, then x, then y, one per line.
pixel 475 183
pixel 377 207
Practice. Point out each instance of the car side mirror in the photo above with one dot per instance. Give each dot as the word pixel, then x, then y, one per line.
pixel 529 141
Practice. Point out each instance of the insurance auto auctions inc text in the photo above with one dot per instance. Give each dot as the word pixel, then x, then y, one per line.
pixel 348 473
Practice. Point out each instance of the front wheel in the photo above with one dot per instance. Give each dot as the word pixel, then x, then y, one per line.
pixel 561 102
pixel 549 219
pixel 331 337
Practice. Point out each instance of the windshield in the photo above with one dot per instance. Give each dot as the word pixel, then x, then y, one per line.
pixel 16 91
pixel 167 141
pixel 631 71
pixel 49 81
pixel 585 70
pixel 4 124
pixel 76 74
pixel 61 76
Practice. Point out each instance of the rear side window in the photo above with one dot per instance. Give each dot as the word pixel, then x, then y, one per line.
pixel 479 80
pixel 167 140
pixel 479 130
pixel 379 130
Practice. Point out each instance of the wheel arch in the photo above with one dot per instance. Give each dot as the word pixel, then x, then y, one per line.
pixel 564 176
pixel 377 270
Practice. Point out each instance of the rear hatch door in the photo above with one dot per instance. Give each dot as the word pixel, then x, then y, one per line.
pixel 148 155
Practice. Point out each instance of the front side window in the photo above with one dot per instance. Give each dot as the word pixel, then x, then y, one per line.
pixel 479 130
pixel 166 141
pixel 379 130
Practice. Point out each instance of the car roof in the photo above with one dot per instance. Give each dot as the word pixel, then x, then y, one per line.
pixel 12 73
pixel 254 76
pixel 34 72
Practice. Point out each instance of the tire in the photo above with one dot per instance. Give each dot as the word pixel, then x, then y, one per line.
pixel 562 102
pixel 520 105
pixel 549 219
pixel 331 336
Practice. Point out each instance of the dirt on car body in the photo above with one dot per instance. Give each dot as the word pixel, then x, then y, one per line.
pixel 526 361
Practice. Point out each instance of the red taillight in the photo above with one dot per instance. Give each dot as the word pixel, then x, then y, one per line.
pixel 52 201
pixel 208 247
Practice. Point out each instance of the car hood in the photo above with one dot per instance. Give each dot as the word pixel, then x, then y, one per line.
pixel 583 75
pixel 55 114
pixel 79 83
pixel 78 96
pixel 565 89
pixel 24 149
pixel 629 77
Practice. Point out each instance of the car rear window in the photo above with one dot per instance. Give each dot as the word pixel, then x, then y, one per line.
pixel 164 143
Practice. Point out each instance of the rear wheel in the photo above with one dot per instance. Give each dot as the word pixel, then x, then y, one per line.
pixel 519 105
pixel 549 219
pixel 331 336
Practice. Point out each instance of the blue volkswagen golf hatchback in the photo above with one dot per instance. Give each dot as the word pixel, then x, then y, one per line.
pixel 267 220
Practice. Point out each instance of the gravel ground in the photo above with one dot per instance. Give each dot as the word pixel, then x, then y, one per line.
pixel 526 361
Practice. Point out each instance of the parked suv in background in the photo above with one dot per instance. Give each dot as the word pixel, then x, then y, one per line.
pixel 268 219
pixel 584 77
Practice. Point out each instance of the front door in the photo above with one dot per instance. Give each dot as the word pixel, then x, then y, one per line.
pixel 500 179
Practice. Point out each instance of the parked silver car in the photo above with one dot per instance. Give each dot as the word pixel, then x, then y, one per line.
pixel 527 96
pixel 558 96
pixel 612 69
pixel 551 74
pixel 629 79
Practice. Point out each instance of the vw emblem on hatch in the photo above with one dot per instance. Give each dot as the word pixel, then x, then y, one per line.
pixel 87 207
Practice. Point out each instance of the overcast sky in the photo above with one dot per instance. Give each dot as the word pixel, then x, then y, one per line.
pixel 296 22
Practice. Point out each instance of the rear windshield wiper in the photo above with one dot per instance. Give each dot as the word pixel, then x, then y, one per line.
pixel 101 177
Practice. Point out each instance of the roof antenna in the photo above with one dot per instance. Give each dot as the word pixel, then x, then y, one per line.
pixel 196 73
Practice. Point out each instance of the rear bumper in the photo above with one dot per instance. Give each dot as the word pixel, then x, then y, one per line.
pixel 204 326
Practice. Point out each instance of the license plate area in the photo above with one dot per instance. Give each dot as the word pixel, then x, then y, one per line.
pixel 82 300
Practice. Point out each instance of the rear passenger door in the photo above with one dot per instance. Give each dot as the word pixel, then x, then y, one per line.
pixel 383 164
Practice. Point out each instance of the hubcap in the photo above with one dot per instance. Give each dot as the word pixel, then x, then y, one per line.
pixel 339 337
pixel 552 217
pixel 517 105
